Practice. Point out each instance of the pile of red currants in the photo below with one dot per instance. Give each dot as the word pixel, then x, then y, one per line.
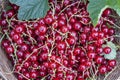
pixel 64 45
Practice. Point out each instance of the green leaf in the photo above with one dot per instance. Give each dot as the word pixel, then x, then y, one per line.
pixel 113 53
pixel 116 7
pixel 111 2
pixel 94 9
pixel 31 9
pixel 114 4
pixel 117 10
pixel 24 2
pixel 8 8
pixel 13 1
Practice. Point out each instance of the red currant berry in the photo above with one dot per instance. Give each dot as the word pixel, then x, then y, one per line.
pixel 107 50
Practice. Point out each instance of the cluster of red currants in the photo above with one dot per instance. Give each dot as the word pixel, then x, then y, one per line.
pixel 64 45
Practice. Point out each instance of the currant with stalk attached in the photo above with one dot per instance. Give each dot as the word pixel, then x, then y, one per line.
pixel 64 45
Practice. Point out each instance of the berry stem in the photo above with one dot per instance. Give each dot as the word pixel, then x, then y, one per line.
pixel 109 73
pixel 15 49
pixel 67 7
pixel 30 56
pixel 2 38
pixel 66 67
pixel 22 75
pixel 112 23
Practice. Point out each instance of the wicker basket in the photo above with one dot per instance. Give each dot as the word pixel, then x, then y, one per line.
pixel 6 67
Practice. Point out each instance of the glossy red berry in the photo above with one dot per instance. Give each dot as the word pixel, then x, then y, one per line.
pixel 48 19
pixel 85 20
pixel 10 13
pixel 82 67
pixel 20 77
pixel 99 50
pixel 42 29
pixel 77 26
pixel 20 54
pixel 33 75
pixel 5 43
pixel 102 69
pixel 58 8
pixel 71 40
pixel 88 63
pixel 107 12
pixel 83 36
pixel 69 77
pixel 94 35
pixel 43 56
pixel 61 22
pixel 112 63
pixel 111 31
pixel 66 2
pixel 60 74
pixel 3 22
pixel 20 29
pixel 90 48
pixel 107 50
pixel 77 51
pixel 91 55
pixel 9 49
pixel 100 34
pixel 61 45
pixel 16 37
pixel 15 7
pixel 64 29
pixel 24 47
pixel 105 30
pixel 26 64
pixel 99 59
pixel 41 21
pixel 27 74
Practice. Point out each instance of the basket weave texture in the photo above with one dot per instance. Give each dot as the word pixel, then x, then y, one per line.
pixel 6 67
